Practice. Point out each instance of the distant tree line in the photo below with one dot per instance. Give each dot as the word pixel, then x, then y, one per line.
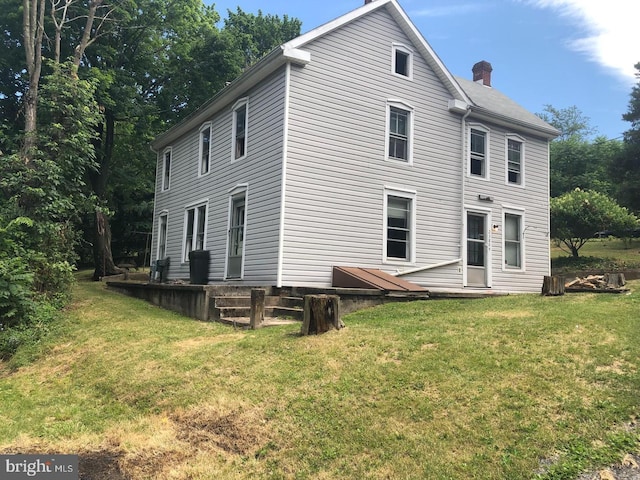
pixel 594 182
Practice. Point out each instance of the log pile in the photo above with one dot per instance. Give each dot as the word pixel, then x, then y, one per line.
pixel 608 283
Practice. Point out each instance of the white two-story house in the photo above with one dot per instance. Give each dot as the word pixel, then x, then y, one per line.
pixel 353 145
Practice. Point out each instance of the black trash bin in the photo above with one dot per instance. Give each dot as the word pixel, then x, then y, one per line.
pixel 199 267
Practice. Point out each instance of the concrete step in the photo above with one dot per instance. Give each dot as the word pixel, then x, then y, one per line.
pixel 244 322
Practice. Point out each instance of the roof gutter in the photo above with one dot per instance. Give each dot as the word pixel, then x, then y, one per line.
pixel 505 121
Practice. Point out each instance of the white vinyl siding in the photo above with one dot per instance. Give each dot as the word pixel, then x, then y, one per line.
pixel 338 160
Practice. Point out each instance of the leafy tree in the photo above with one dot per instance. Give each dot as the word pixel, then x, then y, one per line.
pixel 626 171
pixel 257 35
pixel 576 160
pixel 576 216
pixel 570 121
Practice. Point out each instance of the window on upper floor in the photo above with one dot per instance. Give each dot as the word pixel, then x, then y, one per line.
pixel 399 132
pixel 478 152
pixel 195 223
pixel 402 63
pixel 166 169
pixel 515 160
pixel 513 244
pixel 400 226
pixel 240 128
pixel 204 149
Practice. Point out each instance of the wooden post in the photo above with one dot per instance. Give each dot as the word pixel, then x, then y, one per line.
pixel 321 314
pixel 553 285
pixel 257 308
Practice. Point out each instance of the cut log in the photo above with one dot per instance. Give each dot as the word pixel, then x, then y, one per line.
pixel 553 285
pixel 615 280
pixel 321 314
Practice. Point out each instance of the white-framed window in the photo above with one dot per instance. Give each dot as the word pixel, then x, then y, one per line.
pixel 240 129
pixel 166 169
pixel 479 151
pixel 163 223
pixel 402 61
pixel 195 228
pixel 513 239
pixel 399 132
pixel 204 151
pixel 399 229
pixel 515 148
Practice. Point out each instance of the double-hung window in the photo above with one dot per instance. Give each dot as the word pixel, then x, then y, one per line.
pixel 515 160
pixel 166 169
pixel 513 244
pixel 195 224
pixel 478 152
pixel 205 149
pixel 400 226
pixel 399 132
pixel 240 129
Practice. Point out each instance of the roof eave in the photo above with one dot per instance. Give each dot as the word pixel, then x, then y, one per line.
pixel 506 121
pixel 252 76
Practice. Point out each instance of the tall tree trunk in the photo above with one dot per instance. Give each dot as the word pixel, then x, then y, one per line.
pixel 103 256
pixel 33 31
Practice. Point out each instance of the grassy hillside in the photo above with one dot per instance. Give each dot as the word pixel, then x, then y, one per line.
pixel 607 254
pixel 500 388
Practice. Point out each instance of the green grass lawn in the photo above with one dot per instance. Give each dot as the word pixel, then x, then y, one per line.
pixel 512 387
pixel 606 254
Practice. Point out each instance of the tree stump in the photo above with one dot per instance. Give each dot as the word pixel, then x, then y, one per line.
pixel 321 314
pixel 257 308
pixel 553 285
pixel 615 280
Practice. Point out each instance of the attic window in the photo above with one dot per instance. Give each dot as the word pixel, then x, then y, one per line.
pixel 402 61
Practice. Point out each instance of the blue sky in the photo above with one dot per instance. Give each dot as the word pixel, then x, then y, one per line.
pixel 557 52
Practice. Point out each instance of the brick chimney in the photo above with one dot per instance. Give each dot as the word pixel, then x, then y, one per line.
pixel 482 73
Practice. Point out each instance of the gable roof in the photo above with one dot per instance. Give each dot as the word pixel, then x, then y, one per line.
pixel 492 104
pixel 489 103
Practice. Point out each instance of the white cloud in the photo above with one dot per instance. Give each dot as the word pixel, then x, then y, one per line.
pixel 448 10
pixel 609 34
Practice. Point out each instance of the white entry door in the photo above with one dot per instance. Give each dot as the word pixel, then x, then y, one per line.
pixel 477 264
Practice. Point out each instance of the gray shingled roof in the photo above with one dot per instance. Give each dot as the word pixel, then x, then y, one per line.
pixel 491 102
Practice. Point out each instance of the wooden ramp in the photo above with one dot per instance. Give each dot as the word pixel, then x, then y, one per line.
pixel 356 277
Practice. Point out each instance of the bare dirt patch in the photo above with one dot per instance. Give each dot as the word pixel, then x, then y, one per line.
pixel 236 432
pixel 101 465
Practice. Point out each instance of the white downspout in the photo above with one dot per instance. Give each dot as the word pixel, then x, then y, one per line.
pixel 463 177
pixel 283 184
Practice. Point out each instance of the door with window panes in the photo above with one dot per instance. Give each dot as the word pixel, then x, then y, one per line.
pixel 236 237
pixel 477 250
